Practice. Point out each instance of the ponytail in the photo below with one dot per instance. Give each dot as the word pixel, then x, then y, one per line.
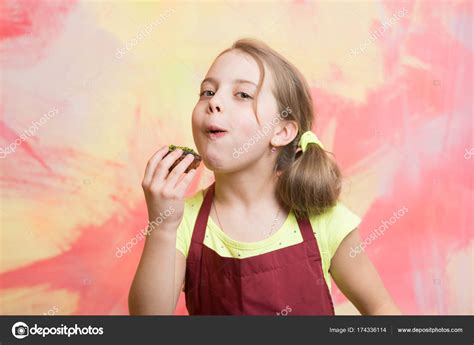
pixel 310 184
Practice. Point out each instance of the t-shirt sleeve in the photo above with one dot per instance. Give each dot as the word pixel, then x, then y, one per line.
pixel 185 228
pixel 182 238
pixel 339 222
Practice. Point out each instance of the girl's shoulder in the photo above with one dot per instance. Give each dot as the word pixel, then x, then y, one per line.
pixel 334 225
pixel 338 214
pixel 193 202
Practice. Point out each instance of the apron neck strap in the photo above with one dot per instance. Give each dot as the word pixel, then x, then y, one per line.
pixel 306 229
pixel 203 216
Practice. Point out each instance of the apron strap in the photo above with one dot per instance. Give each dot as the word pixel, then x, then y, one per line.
pixel 308 234
pixel 306 229
pixel 203 216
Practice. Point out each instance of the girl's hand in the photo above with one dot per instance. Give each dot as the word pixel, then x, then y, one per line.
pixel 164 190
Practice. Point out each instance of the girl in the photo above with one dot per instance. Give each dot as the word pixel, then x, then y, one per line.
pixel 268 234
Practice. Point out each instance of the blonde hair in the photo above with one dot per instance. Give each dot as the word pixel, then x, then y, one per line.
pixel 309 182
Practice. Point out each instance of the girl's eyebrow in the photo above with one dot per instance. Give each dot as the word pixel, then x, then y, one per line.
pixel 235 81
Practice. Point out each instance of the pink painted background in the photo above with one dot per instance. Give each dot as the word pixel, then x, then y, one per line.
pixel 396 112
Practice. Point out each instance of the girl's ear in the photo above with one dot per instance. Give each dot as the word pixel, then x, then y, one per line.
pixel 284 133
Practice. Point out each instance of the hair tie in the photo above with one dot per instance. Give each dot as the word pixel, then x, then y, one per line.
pixel 309 138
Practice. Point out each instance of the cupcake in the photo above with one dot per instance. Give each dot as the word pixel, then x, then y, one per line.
pixel 186 150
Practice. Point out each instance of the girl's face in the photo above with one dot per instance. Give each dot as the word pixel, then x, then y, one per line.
pixel 226 103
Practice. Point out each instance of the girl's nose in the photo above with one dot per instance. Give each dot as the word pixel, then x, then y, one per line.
pixel 213 109
pixel 214 105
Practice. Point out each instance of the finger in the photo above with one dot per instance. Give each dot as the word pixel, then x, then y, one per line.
pixel 183 185
pixel 178 170
pixel 153 162
pixel 183 175
pixel 164 165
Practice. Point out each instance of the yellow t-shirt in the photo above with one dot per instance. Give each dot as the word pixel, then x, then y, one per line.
pixel 330 228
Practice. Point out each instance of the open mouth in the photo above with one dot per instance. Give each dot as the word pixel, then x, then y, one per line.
pixel 215 133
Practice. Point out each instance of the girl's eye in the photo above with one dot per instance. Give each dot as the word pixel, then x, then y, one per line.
pixel 244 95
pixel 204 93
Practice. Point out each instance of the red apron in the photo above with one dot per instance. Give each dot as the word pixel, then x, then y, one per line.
pixel 287 281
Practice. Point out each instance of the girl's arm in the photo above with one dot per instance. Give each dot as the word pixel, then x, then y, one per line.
pixel 358 280
pixel 159 277
pixel 160 273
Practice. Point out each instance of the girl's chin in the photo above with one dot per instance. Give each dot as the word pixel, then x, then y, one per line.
pixel 216 159
pixel 213 162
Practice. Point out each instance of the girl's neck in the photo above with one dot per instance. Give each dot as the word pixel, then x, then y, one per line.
pixel 245 192
pixel 243 200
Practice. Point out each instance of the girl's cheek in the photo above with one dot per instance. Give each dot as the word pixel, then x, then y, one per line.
pixel 247 128
pixel 195 117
